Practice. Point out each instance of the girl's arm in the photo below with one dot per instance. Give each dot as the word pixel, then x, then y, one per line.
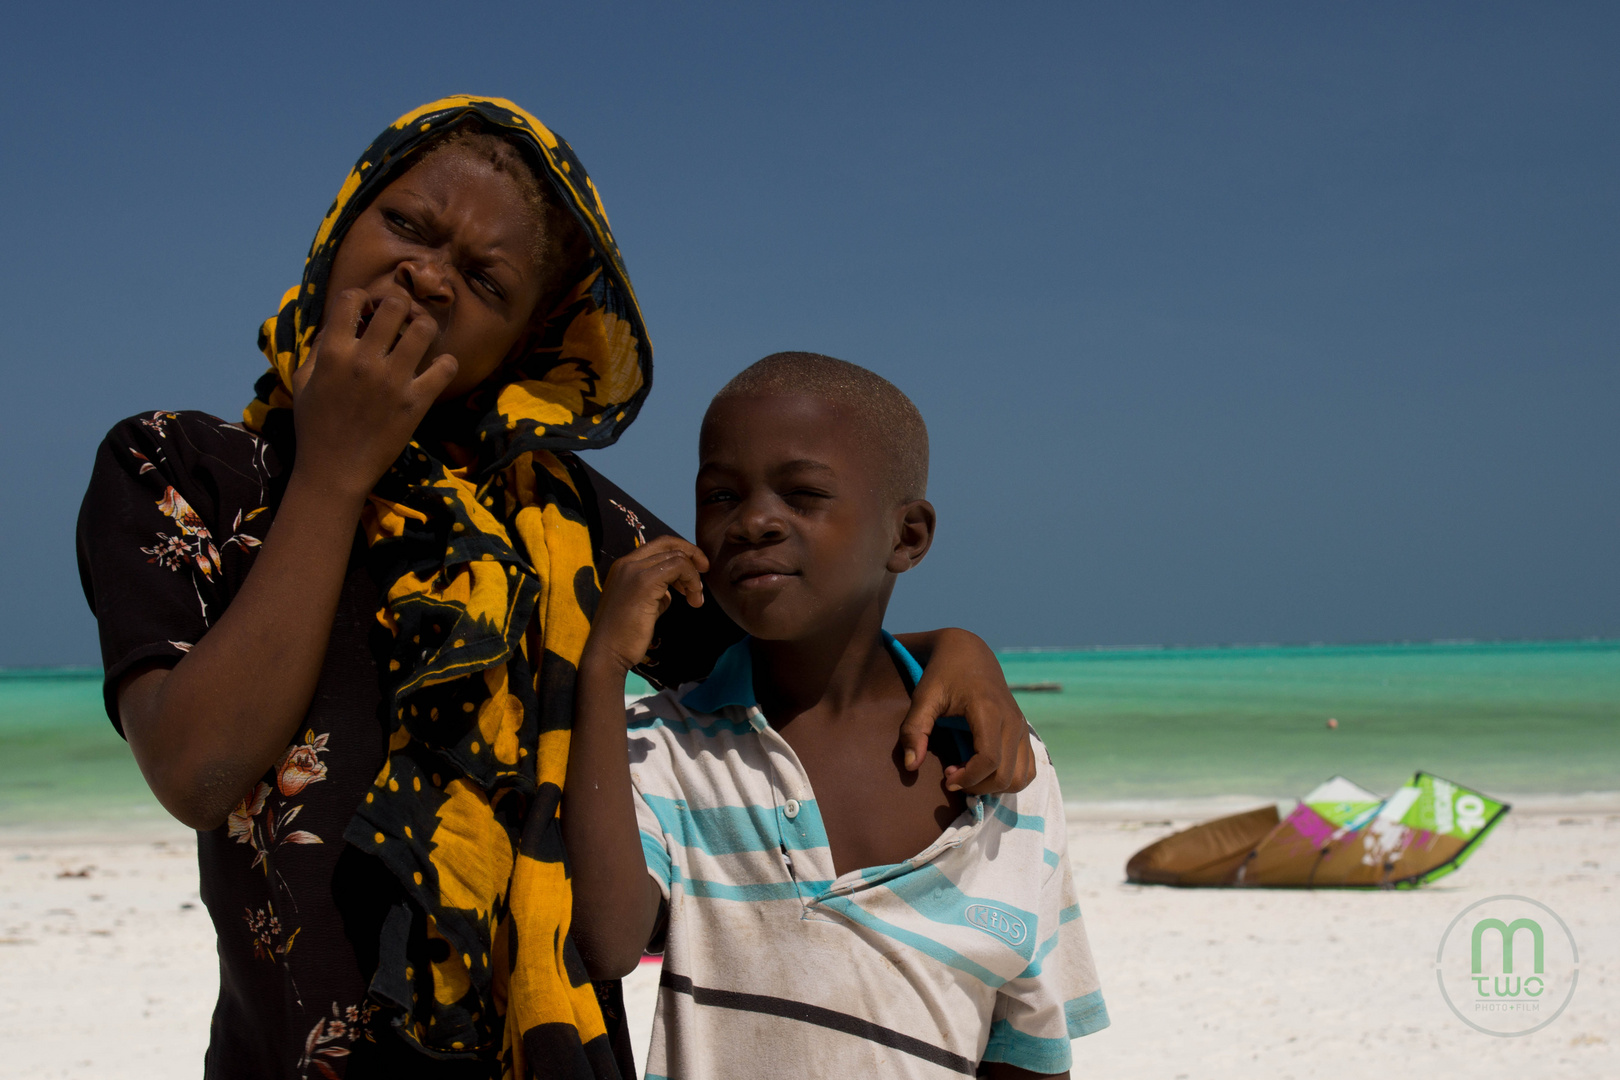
pixel 205 730
pixel 962 677
pixel 615 899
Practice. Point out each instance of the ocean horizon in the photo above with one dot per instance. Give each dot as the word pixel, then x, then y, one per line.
pixel 1129 723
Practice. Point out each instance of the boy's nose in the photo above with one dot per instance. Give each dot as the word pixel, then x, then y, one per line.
pixel 757 521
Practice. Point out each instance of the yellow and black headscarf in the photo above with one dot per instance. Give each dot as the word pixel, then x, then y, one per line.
pixel 485 560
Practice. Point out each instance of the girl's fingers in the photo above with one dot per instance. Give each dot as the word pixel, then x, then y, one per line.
pixel 435 377
pixel 346 309
pixel 412 346
pixel 926 707
pixel 386 323
pixel 301 376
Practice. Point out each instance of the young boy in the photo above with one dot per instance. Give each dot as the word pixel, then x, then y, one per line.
pixel 823 909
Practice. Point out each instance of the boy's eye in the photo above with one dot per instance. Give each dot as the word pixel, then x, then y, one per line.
pixel 803 497
pixel 717 497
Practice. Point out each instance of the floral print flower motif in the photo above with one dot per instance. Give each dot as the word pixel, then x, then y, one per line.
pixel 193 546
pixel 633 521
pixel 329 1040
pixel 240 820
pixel 159 423
pixel 299 766
pixel 265 926
pixel 174 505
pixel 170 552
pixel 258 823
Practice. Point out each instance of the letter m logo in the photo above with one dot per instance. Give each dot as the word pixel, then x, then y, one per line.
pixel 1507 930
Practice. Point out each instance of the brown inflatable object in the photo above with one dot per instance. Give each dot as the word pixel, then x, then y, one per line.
pixel 1340 836
pixel 1207 854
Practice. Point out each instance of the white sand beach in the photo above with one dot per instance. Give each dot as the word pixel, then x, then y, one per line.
pixel 107 965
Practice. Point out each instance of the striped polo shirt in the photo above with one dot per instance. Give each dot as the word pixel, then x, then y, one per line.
pixel 774 965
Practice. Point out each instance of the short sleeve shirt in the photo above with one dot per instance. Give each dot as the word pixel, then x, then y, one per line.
pixel 971 951
pixel 177 508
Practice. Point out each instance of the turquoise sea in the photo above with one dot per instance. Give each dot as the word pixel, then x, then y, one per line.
pixel 1507 718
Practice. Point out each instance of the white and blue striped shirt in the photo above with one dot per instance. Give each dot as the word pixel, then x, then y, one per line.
pixel 775 966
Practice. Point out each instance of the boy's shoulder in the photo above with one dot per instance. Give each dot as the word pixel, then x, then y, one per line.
pixel 1039 806
pixel 717 706
pixel 667 714
pixel 677 748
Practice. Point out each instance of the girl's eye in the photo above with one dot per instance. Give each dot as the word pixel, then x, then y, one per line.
pixel 400 222
pixel 484 282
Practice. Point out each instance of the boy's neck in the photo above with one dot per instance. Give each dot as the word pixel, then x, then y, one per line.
pixel 831 671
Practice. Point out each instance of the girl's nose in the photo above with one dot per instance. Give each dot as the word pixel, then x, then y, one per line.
pixel 427 280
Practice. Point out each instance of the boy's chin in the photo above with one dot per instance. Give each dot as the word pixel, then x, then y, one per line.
pixel 766 619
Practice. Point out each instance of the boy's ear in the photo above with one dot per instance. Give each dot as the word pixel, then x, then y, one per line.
pixel 914 536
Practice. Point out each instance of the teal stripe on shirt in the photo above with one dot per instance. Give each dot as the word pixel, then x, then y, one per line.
pixel 656 857
pixel 1038 1055
pixel 757 893
pixel 728 830
pixel 1014 820
pixel 717 725
pixel 1034 969
pixel 1085 1014
pixel 926 945
pixel 936 897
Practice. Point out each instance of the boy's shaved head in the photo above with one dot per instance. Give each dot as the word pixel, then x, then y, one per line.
pixel 884 415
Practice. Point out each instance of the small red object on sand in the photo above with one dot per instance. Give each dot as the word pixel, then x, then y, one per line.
pixel 1332 723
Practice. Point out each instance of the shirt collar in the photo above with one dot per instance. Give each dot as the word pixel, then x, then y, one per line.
pixel 732 680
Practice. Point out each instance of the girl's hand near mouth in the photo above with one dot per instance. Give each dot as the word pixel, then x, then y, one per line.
pixel 358 398
pixel 205 730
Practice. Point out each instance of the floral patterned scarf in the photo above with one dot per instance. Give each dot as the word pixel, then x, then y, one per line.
pixel 489 586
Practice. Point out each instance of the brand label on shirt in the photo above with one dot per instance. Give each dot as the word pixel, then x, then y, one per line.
pixel 992 920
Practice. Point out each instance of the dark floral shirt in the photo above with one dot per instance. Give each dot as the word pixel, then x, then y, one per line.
pixel 177 508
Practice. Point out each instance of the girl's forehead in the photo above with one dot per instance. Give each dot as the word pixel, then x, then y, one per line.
pixel 457 172
pixel 464 190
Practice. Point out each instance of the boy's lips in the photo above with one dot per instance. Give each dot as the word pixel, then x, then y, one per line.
pixel 758 576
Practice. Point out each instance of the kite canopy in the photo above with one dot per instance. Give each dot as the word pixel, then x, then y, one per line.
pixel 1340 835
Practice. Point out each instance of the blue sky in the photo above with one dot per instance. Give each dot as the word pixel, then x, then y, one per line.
pixel 1232 323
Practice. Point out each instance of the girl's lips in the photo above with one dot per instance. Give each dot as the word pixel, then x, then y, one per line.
pixel 369 311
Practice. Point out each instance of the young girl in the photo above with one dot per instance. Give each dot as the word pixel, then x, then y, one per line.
pixel 341 637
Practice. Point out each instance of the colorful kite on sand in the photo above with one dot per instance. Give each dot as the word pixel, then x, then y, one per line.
pixel 1340 835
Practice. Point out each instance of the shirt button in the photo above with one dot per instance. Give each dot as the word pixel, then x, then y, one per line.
pixel 791 809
